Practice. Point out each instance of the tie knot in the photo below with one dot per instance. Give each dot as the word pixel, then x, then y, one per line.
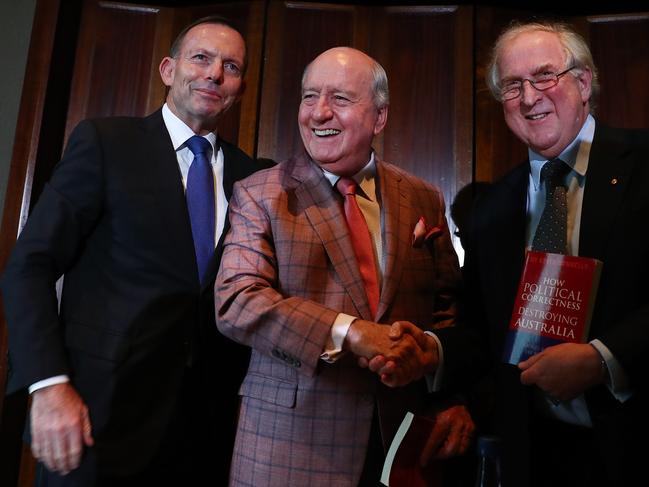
pixel 198 145
pixel 346 186
pixel 553 173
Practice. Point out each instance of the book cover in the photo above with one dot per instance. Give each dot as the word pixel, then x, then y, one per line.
pixel 401 467
pixel 554 303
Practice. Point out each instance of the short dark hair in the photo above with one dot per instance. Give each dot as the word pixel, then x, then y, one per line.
pixel 210 19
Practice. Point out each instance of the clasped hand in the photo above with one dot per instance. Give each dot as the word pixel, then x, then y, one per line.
pixel 399 354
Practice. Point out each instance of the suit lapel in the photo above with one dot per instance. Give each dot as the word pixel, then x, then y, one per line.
pixel 324 212
pixel 171 199
pixel 397 215
pixel 607 178
pixel 234 169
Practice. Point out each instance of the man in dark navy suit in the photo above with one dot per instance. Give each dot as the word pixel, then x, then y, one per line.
pixel 573 414
pixel 122 376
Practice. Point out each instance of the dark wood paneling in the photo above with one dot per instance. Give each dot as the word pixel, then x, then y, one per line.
pixel 120 49
pixel 296 33
pixel 113 62
pixel 427 52
pixel 620 46
pixel 497 149
pixel 37 145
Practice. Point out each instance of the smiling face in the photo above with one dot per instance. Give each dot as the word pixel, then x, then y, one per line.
pixel 206 77
pixel 546 121
pixel 338 118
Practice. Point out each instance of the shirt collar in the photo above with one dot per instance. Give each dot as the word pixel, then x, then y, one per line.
pixel 179 131
pixel 365 178
pixel 575 155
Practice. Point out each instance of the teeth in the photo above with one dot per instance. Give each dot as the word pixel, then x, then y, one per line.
pixel 325 132
pixel 536 117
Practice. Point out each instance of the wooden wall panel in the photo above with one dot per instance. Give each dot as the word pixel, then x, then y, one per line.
pixel 620 46
pixel 427 52
pixel 296 33
pixel 497 149
pixel 113 61
pixel 121 46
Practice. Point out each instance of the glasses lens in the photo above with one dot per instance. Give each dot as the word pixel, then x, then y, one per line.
pixel 545 82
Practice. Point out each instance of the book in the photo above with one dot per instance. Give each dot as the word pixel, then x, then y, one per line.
pixel 402 467
pixel 554 303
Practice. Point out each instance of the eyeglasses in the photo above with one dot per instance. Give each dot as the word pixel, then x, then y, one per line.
pixel 545 81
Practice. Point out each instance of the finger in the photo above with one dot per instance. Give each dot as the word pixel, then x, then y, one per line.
pixel 60 453
pixel 396 330
pixel 363 362
pixel 433 443
pixel 88 439
pixel 526 364
pixel 390 380
pixel 388 367
pixel 37 443
pixel 378 363
pixel 528 378
pixel 74 448
pixel 46 453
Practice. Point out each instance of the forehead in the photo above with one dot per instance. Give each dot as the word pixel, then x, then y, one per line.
pixel 216 37
pixel 530 51
pixel 339 72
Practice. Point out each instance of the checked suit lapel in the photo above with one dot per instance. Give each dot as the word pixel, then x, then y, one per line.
pixel 396 215
pixel 323 209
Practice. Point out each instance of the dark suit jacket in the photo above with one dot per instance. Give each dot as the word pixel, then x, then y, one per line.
pixel 133 314
pixel 613 229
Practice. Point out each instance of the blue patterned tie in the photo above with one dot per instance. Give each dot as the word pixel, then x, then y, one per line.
pixel 551 234
pixel 200 201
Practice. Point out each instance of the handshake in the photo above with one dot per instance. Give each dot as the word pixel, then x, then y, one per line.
pixel 399 353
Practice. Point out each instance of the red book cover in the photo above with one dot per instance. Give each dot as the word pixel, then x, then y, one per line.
pixel 554 303
pixel 402 467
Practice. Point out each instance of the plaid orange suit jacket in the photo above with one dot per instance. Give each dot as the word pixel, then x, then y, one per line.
pixel 288 269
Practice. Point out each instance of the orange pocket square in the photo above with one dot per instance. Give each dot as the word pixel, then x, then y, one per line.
pixel 423 233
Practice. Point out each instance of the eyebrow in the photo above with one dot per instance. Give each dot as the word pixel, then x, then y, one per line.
pixel 540 68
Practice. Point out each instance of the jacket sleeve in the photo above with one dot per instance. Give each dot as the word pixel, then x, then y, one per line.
pixel 51 240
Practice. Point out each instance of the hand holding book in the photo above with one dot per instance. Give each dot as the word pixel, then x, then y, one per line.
pixel 564 371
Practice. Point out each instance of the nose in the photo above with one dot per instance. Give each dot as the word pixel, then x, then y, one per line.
pixel 321 110
pixel 529 94
pixel 215 71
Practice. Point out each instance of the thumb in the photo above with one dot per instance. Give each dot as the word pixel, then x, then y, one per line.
pixel 396 330
pixel 88 440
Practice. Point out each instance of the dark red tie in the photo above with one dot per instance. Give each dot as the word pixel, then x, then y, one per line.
pixel 361 240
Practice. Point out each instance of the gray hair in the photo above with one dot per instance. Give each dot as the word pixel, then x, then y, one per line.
pixel 575 48
pixel 380 90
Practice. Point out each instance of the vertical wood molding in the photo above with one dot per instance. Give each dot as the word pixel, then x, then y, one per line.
pixel 16 208
pixel 26 142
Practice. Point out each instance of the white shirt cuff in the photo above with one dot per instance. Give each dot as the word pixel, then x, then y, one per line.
pixel 334 348
pixel 619 381
pixel 42 384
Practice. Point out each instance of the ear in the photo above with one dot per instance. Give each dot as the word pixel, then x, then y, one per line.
pixel 585 79
pixel 167 70
pixel 381 120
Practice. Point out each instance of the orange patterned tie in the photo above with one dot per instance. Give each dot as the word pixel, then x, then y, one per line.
pixel 361 240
